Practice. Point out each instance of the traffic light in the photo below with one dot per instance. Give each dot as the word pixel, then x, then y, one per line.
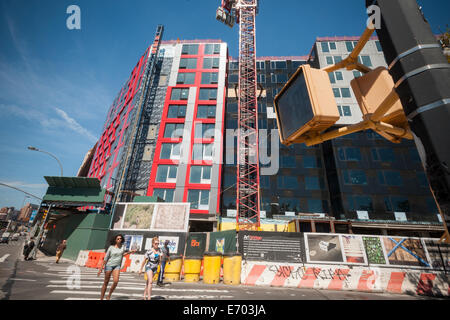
pixel 45 214
pixel 305 106
pixel 372 89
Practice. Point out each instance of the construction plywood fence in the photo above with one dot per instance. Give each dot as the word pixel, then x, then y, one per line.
pixel 345 249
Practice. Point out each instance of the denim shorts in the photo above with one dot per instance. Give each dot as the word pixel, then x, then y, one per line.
pixel 112 268
pixel 154 269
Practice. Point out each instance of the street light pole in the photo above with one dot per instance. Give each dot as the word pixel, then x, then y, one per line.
pixel 36 149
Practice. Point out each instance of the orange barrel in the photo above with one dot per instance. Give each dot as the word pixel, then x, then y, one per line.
pixel 211 267
pixel 192 268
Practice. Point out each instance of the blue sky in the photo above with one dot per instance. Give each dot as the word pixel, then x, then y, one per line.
pixel 56 85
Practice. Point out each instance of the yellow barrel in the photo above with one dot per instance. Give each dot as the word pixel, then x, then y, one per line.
pixel 173 269
pixel 232 268
pixel 192 268
pixel 211 267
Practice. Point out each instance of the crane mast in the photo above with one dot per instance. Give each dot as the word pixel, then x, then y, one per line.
pixel 244 12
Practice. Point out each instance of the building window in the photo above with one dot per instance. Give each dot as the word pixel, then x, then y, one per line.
pixel 378 44
pixel 414 155
pixel 179 94
pixel 339 76
pixel 207 94
pixel 383 154
pixel 329 60
pixel 397 204
pixel 262 123
pixel 233 78
pixel 211 63
pixel 289 204
pixel 188 63
pixel 186 78
pixel 275 91
pixel 357 177
pixel 278 65
pixel 325 47
pixel 200 174
pixel 176 111
pixel 422 178
pixel 332 77
pixel 332 45
pixel 345 93
pixel 212 48
pixel 233 65
pixel 390 178
pixel 365 60
pixel 360 203
pixel 167 174
pixel 206 112
pixel 174 130
pixel 232 107
pixel 288 162
pixel 165 194
pixel 287 182
pixel 199 199
pixel 261 78
pixel 279 78
pixel 350 45
pixel 315 206
pixel 210 78
pixel 170 151
pixel 357 74
pixel 264 182
pixel 349 154
pixel 312 183
pixel 262 107
pixel 337 59
pixel 202 151
pixel 260 65
pixel 345 111
pixel 337 92
pixel 296 64
pixel 311 162
pixel 190 49
pixel 204 130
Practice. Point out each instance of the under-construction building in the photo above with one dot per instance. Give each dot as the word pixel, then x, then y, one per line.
pixel 163 135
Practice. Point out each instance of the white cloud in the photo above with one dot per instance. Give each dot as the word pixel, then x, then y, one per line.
pixel 75 126
pixel 21 184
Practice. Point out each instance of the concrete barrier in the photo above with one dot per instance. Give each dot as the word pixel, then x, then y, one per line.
pixel 82 258
pixel 344 277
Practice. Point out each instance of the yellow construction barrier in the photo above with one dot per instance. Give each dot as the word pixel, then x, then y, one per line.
pixel 192 268
pixel 173 269
pixel 232 268
pixel 211 267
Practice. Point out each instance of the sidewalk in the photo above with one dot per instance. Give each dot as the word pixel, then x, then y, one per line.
pixel 42 257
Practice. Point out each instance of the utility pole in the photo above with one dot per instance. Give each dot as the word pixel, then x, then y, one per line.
pixel 421 74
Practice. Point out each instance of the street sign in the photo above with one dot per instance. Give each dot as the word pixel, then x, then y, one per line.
pixel 306 106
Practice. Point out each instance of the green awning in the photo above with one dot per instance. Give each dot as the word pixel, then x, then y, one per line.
pixel 74 191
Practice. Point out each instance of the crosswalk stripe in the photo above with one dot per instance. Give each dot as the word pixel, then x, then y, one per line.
pixel 96 282
pixel 117 294
pixel 143 287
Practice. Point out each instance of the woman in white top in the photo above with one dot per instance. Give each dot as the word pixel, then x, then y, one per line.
pixel 112 263
pixel 151 261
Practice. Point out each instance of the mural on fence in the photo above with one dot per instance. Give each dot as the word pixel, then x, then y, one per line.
pixel 138 216
pixel 406 252
pixel 171 217
pixel 323 248
pixel 353 249
pixel 374 250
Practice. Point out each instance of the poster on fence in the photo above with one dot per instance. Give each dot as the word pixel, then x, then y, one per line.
pixel 323 248
pixel 271 246
pixel 133 216
pixel 133 242
pixel 406 252
pixel 353 249
pixel 375 250
pixel 439 254
pixel 173 217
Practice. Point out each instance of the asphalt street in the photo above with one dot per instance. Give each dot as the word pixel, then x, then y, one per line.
pixel 43 279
